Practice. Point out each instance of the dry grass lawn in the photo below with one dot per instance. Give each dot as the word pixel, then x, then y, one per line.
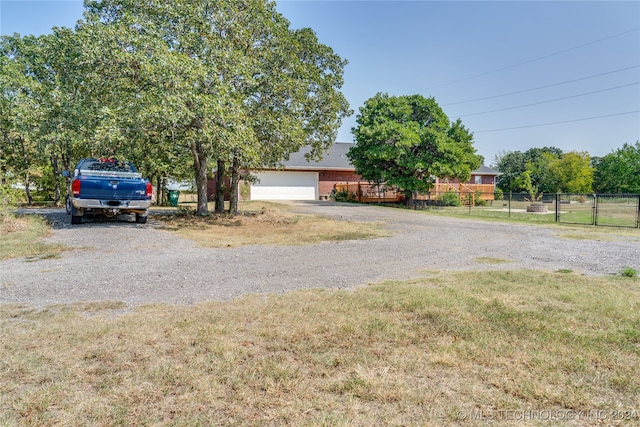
pixel 268 223
pixel 22 237
pixel 426 352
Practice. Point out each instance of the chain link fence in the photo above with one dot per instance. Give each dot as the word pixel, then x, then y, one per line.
pixel 611 210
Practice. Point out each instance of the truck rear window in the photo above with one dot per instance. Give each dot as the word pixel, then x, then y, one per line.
pixel 111 166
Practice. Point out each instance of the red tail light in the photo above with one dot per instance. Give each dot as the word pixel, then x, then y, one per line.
pixel 75 187
pixel 149 190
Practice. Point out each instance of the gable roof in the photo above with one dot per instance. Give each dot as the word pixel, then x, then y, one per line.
pixel 486 170
pixel 334 159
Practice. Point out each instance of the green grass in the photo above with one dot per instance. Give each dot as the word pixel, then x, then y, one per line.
pixel 609 214
pixel 491 260
pixel 414 352
pixel 23 237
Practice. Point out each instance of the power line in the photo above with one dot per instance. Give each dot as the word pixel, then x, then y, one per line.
pixel 536 59
pixel 549 101
pixel 558 123
pixel 541 87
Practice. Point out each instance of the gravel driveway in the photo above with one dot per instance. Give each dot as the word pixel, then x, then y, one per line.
pixel 139 264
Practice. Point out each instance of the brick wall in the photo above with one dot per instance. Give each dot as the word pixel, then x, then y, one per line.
pixel 327 179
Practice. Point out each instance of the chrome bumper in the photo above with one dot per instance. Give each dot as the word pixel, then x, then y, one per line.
pixel 110 204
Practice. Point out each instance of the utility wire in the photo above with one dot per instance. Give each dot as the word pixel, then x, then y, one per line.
pixel 535 59
pixel 541 87
pixel 557 123
pixel 548 101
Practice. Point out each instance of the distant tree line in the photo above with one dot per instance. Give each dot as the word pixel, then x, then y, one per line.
pixel 549 170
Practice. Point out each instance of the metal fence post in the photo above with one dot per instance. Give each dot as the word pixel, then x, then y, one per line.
pixel 557 207
pixel 594 210
pixel 509 204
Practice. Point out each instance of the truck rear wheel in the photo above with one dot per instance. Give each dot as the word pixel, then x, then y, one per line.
pixel 141 219
pixel 75 218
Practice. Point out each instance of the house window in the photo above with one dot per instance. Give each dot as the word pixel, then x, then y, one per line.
pixel 478 179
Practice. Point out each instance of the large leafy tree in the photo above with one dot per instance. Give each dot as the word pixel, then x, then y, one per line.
pixel 535 161
pixel 225 80
pixel 512 165
pixel 618 171
pixel 172 86
pixel 572 173
pixel 406 141
pixel 21 86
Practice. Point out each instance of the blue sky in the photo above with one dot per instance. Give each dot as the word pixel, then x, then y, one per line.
pixel 577 62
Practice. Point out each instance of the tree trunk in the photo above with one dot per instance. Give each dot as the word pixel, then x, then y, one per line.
pixel 158 190
pixel 25 162
pixel 220 186
pixel 56 180
pixel 408 195
pixel 200 167
pixel 27 190
pixel 235 182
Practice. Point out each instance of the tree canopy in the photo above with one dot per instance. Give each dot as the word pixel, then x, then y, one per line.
pixel 535 162
pixel 407 141
pixel 545 170
pixel 619 171
pixel 214 81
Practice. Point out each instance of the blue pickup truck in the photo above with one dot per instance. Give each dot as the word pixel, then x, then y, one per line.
pixel 107 186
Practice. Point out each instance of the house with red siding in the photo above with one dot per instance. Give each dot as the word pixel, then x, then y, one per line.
pixel 300 179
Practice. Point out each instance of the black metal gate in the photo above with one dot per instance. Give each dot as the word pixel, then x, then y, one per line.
pixel 618 210
pixel 612 210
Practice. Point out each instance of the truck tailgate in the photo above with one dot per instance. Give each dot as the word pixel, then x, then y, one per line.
pixel 112 188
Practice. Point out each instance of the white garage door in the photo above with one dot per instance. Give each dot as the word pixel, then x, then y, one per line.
pixel 285 186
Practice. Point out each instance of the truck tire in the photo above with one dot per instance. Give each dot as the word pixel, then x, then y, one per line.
pixel 75 219
pixel 141 219
pixel 67 205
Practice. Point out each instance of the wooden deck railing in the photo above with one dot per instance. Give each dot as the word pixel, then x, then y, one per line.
pixel 485 191
pixel 365 192
pixel 370 193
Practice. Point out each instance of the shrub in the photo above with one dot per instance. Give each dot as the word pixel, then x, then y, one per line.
pixel 629 272
pixel 343 196
pixel 450 198
pixel 478 200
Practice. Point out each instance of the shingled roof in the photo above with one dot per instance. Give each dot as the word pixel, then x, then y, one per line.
pixel 334 159
pixel 485 170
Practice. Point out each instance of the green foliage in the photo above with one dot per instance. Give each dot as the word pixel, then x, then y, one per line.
pixel 524 182
pixel 618 171
pixel 478 200
pixel 406 141
pixel 629 272
pixel 511 165
pixel 536 161
pixel 545 170
pixel 172 86
pixel 8 200
pixel 343 196
pixel 573 173
pixel 450 198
